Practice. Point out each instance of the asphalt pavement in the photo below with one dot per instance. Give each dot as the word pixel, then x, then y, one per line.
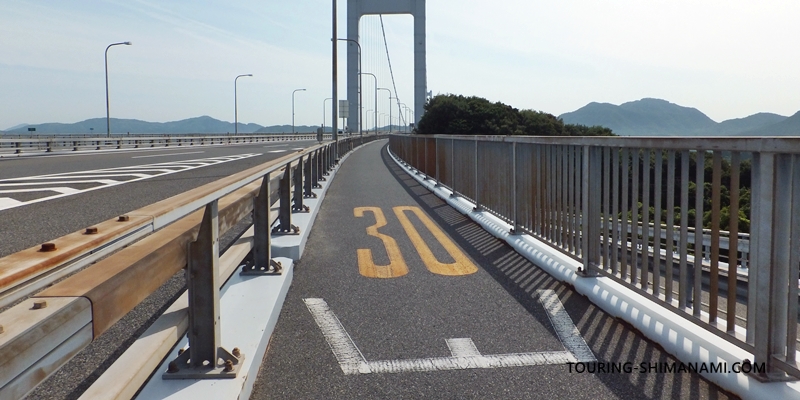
pixel 38 222
pixel 400 296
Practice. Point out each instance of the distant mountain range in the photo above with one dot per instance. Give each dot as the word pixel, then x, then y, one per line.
pixel 645 117
pixel 655 117
pixel 204 124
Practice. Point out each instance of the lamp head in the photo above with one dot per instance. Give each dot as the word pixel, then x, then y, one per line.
pixel 127 43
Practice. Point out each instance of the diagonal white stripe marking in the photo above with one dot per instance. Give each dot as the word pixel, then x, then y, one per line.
pixel 167 155
pixel 100 181
pixel 346 352
pixel 130 171
pixel 565 329
pixel 59 189
pixel 277 151
pixel 7 202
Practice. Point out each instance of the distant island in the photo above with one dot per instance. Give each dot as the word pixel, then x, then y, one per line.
pixel 656 117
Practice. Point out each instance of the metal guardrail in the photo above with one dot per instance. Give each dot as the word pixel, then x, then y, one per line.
pixel 28 144
pixel 39 335
pixel 574 193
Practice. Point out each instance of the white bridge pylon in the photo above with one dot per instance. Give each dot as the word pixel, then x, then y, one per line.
pixel 464 353
pixel 358 8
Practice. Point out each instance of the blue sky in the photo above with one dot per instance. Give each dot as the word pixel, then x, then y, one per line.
pixel 728 58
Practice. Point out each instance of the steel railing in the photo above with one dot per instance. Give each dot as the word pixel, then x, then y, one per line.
pixel 183 233
pixel 590 197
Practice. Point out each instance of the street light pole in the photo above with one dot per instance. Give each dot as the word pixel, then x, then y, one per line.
pixel 108 114
pixel 390 106
pixel 323 113
pixel 236 104
pixel 402 115
pixel 360 95
pixel 376 96
pixel 295 91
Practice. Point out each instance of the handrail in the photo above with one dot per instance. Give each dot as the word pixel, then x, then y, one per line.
pixel 45 341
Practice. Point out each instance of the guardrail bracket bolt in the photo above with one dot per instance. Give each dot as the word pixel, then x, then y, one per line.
pixel 123 218
pixel 39 304
pixel 92 230
pixel 236 352
pixel 228 365
pixel 172 367
pixel 46 247
pixel 1 329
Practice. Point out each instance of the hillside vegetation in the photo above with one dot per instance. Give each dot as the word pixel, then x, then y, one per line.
pixel 459 115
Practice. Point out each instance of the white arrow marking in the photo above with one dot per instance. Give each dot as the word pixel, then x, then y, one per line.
pixel 464 353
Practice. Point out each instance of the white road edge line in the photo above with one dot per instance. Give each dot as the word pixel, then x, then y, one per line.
pixel 465 354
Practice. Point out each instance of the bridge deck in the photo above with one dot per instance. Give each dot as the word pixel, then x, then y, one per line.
pixel 400 296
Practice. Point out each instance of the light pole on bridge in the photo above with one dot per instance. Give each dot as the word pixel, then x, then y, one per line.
pixel 295 91
pixel 108 114
pixel 360 95
pixel 390 107
pixel 236 104
pixel 323 113
pixel 376 97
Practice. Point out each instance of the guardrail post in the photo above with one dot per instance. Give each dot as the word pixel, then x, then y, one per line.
pixel 119 144
pixel 201 360
pixel 298 205
pixel 74 145
pixel 591 211
pixel 18 145
pixel 285 226
pixel 263 264
pixel 309 178
pixel 326 156
pixel 316 175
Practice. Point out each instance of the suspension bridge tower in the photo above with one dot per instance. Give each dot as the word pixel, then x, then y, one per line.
pixel 358 8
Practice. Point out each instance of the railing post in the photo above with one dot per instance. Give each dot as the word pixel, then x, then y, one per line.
pixel 285 226
pixel 201 360
pixel 437 178
pixel 298 205
pixel 263 264
pixel 591 210
pixel 453 167
pixel 515 217
pixel 18 145
pixel 769 264
pixel 477 181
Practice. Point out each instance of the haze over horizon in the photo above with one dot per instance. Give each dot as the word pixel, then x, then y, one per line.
pixel 728 60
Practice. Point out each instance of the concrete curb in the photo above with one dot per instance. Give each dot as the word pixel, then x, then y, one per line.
pixel 681 338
